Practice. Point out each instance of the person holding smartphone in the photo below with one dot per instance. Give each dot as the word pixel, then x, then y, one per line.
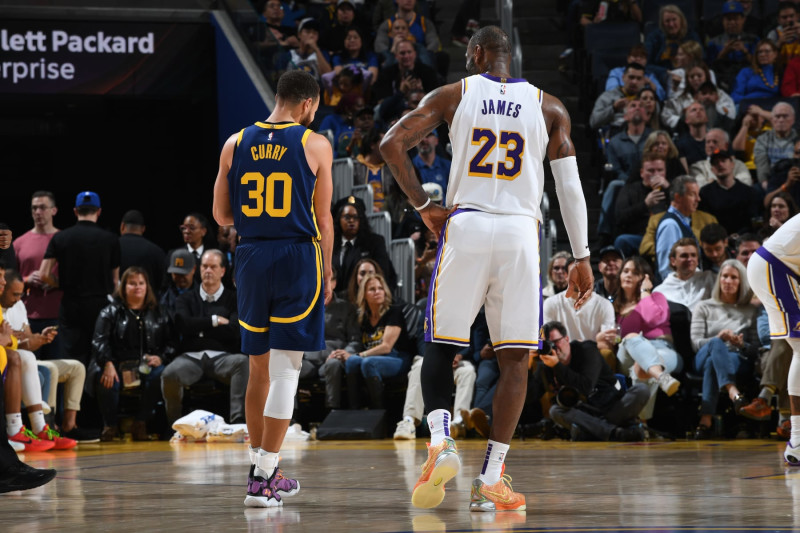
pixel 14 474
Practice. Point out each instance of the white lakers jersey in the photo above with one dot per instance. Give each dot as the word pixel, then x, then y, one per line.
pixel 499 140
pixel 785 243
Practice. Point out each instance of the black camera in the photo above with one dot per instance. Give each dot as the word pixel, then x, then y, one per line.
pixel 545 347
pixel 568 397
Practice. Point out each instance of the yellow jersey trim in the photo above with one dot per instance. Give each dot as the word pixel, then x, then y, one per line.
pixel 526 342
pixel 239 137
pixel 276 126
pixel 254 329
pixel 301 316
pixel 442 337
pixel 313 211
pixel 305 137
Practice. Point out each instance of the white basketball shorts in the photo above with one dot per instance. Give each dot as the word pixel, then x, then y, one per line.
pixel 491 260
pixel 778 289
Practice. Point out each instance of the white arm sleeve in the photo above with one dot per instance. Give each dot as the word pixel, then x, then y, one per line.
pixel 572 204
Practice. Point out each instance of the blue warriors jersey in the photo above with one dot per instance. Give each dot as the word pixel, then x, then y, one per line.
pixel 270 183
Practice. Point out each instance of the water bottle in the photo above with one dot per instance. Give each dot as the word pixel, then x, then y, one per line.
pixel 144 368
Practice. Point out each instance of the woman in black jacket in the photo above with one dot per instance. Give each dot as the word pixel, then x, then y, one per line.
pixel 132 342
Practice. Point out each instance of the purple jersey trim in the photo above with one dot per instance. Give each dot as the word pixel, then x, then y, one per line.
pixel 504 80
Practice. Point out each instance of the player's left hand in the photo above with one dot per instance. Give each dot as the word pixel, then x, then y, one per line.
pixel 434 216
pixel 580 282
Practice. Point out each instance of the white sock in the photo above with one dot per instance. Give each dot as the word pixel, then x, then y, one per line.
pixel 493 463
pixel 767 394
pixel 439 424
pixel 266 463
pixel 795 439
pixel 37 421
pixel 253 453
pixel 13 423
pixel 457 417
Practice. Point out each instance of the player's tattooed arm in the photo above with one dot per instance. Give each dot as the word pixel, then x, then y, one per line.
pixel 559 128
pixel 438 106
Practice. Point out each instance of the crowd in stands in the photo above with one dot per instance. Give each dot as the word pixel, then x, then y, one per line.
pixel 697 136
pixel 722 88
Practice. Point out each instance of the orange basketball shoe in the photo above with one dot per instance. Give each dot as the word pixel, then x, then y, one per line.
pixel 31 442
pixel 442 466
pixel 497 497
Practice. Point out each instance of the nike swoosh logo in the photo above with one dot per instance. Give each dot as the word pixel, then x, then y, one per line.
pixel 500 497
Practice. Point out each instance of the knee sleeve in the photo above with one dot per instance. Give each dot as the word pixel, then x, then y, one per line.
pixel 284 373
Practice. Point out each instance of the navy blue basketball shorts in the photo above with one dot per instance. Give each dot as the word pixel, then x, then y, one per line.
pixel 279 288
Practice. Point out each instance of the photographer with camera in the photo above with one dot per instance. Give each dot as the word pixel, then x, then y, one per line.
pixel 587 400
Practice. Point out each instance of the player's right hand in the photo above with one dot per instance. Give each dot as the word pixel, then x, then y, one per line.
pixel 580 282
pixel 327 291
pixel 434 216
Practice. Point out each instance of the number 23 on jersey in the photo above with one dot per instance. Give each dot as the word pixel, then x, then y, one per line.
pixel 508 168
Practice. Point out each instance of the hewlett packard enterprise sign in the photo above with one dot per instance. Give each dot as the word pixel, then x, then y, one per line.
pixel 94 57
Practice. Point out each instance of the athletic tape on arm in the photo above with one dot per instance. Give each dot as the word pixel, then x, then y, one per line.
pixel 572 204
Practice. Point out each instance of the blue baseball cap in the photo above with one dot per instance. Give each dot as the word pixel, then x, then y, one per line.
pixel 87 199
pixel 732 7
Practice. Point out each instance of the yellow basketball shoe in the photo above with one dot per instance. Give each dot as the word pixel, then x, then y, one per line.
pixel 442 466
pixel 497 497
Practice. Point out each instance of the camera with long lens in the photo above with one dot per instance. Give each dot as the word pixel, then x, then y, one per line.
pixel 568 397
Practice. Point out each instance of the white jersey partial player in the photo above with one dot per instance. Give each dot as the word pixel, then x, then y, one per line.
pixel 774 275
pixel 501 130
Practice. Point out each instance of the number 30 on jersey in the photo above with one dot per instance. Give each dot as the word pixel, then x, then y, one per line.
pixel 262 192
pixel 508 168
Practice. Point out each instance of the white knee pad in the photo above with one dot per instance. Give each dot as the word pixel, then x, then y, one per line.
pixel 284 373
pixel 793 382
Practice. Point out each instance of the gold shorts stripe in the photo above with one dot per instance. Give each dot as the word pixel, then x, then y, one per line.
pixel 301 316
pixel 254 329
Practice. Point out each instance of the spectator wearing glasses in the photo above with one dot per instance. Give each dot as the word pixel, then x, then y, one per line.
pixel 557 274
pixel 575 369
pixel 762 78
pixel 353 240
pixel 777 144
pixel 41 301
pixel 196 239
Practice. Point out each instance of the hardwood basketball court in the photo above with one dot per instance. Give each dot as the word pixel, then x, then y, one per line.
pixel 737 485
